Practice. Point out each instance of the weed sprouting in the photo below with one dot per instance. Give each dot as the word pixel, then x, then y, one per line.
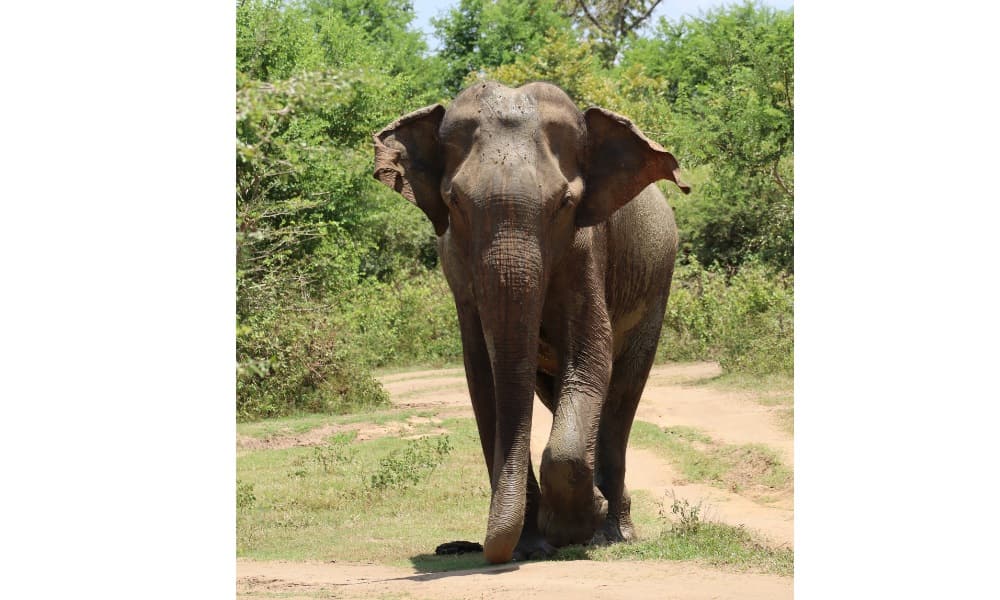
pixel 688 516
pixel 244 496
pixel 406 467
pixel 337 451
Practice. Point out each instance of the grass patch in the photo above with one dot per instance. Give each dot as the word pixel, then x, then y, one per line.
pixel 681 533
pixel 747 467
pixel 381 500
pixel 714 543
pixel 392 501
pixel 675 533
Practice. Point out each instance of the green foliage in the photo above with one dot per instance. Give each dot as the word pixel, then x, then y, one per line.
pixel 744 321
pixel 687 516
pixel 337 451
pixel 715 543
pixel 411 465
pixel 309 367
pixel 612 23
pixel 480 34
pixel 728 77
pixel 315 79
pixel 274 40
pixel 561 59
pixel 405 322
pixel 244 496
pixel 338 514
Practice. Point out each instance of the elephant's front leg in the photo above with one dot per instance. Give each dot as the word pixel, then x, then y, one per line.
pixel 572 506
pixel 479 376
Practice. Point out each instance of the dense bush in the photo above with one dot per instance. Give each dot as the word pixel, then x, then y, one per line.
pixel 405 322
pixel 727 77
pixel 744 321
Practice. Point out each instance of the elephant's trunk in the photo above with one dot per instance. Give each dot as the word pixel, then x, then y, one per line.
pixel 515 392
pixel 510 298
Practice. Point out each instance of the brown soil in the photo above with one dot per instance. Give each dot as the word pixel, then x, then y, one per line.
pixel 670 399
pixel 550 580
pixel 366 431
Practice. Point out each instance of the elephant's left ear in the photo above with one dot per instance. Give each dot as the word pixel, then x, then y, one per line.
pixel 621 161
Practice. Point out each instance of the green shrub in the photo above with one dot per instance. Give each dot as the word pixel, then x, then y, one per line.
pixel 409 466
pixel 307 365
pixel 245 497
pixel 405 322
pixel 744 320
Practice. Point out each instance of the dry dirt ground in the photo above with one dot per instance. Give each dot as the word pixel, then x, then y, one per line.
pixel 671 398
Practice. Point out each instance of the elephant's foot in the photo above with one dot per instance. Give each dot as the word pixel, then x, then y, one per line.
pixel 532 546
pixel 614 530
pixel 572 522
pixel 617 527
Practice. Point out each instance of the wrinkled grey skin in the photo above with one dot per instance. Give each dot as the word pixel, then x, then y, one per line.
pixel 559 253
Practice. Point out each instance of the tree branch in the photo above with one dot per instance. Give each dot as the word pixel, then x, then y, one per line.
pixel 645 16
pixel 601 28
pixel 779 181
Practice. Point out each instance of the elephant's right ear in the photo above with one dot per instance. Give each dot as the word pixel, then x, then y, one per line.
pixel 408 160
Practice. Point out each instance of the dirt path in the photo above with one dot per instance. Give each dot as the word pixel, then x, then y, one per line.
pixel 670 399
pixel 733 418
pixel 554 580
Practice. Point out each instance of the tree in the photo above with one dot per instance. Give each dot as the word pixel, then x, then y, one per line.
pixel 728 77
pixel 314 80
pixel 611 22
pixel 481 34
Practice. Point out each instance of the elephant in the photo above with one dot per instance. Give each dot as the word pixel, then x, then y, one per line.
pixel 559 252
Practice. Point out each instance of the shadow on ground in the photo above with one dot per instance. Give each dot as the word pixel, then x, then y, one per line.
pixel 473 562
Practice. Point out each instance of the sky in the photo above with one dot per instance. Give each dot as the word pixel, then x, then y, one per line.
pixel 671 9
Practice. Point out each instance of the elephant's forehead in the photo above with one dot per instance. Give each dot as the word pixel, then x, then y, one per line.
pixel 492 105
pixel 485 105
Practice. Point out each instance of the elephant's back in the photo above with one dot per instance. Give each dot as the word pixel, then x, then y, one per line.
pixel 642 246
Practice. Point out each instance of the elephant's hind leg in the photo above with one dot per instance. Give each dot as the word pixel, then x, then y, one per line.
pixel 628 379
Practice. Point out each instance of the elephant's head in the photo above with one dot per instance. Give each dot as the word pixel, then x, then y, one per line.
pixel 508 176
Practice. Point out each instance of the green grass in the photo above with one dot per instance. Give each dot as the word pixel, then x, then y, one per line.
pixel 321 502
pixel 302 511
pixel 747 467
pixel 685 536
pixel 713 543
